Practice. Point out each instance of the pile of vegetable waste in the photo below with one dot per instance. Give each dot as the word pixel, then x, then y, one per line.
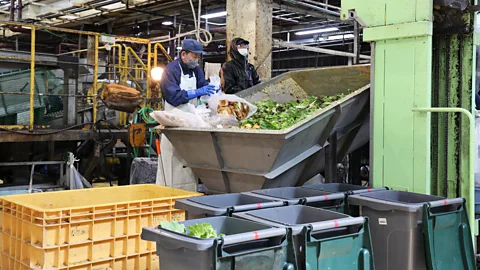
pixel 200 230
pixel 275 116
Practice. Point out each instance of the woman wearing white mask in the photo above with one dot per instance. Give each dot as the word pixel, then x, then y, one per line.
pixel 238 74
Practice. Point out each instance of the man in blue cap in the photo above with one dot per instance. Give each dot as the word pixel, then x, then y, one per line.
pixel 183 81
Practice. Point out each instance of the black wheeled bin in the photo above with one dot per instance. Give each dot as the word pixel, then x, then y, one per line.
pixel 223 205
pixel 398 231
pixel 302 196
pixel 343 188
pixel 246 246
pixel 347 189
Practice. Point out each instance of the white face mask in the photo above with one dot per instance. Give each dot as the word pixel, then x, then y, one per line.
pixel 243 51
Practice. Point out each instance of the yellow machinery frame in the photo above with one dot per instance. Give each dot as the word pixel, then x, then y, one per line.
pixel 123 64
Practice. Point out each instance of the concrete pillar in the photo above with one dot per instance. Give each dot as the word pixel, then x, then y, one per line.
pixel 252 20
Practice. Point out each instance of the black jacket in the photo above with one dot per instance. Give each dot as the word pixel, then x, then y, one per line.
pixel 238 74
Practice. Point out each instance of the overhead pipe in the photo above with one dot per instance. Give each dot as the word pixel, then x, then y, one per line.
pixel 322 4
pixel 19 10
pixel 17 29
pixel 12 10
pixel 172 32
pixel 319 50
pixel 313 7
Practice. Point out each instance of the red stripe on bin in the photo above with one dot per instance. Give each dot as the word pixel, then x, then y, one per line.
pixel 368 190
pixel 255 235
pixel 444 202
pixel 335 224
pixel 326 197
pixel 259 206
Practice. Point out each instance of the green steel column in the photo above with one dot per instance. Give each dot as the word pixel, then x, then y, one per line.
pixel 423 58
pixel 402 36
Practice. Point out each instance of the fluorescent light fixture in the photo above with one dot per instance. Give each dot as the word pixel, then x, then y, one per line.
pixel 315 31
pixel 214 15
pixel 114 6
pixel 69 17
pixel 167 23
pixel 337 37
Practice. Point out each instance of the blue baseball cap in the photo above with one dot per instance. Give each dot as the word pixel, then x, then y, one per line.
pixel 192 45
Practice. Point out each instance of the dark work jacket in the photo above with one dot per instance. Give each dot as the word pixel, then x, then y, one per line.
pixel 170 83
pixel 238 74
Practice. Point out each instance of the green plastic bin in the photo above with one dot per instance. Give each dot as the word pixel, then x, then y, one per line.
pixel 322 239
pixel 246 246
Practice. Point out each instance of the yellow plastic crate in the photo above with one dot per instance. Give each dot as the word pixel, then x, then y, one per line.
pixel 85 229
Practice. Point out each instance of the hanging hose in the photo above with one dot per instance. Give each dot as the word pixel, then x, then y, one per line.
pixel 148 120
pixel 197 32
pixel 144 113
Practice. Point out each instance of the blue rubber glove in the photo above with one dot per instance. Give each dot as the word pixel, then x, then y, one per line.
pixel 206 90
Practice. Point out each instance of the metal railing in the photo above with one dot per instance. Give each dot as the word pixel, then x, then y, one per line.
pixel 128 66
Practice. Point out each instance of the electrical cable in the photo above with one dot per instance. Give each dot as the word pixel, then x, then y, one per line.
pixel 96 129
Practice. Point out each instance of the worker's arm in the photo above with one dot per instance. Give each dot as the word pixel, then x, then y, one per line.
pixel 170 85
pixel 231 86
pixel 255 77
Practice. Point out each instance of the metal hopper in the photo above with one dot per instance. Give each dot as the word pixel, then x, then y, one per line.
pixel 237 160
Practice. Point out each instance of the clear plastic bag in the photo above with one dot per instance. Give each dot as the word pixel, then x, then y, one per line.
pixel 223 121
pixel 214 101
pixel 178 118
pixel 215 81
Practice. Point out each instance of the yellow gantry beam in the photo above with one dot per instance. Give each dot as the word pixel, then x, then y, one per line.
pixel 95 78
pixel 32 78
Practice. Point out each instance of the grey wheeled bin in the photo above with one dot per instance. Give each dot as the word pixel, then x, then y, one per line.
pixel 223 205
pixel 343 188
pixel 322 239
pixel 246 246
pixel 396 225
pixel 302 196
pixel 347 189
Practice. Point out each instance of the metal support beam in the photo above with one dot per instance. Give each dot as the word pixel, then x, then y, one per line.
pixel 24 57
pixel 331 159
pixel 27 163
pixel 32 77
pixel 319 50
pixel 314 7
pixel 53 135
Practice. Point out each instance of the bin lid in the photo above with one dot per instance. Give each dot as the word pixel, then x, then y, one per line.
pixel 290 192
pixel 295 217
pixel 393 200
pixel 233 228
